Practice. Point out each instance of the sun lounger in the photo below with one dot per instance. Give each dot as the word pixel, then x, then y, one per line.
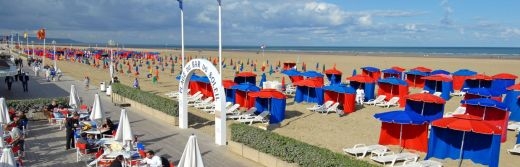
pixel 458 93
pixel 262 117
pixel 515 149
pixel 425 163
pixel 392 102
pixel 364 149
pixel 211 107
pixel 392 158
pixel 324 106
pixel 378 100
pixel 459 110
pixel 289 89
pixel 437 94
pixel 250 113
pixel 514 126
pixel 204 103
pixel 333 108
pixel 194 100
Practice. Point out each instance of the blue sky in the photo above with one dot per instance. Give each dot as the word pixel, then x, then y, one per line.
pixel 273 22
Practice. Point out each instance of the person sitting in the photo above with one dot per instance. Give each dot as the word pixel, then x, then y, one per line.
pixel 107 127
pixel 49 109
pixel 118 162
pixel 89 142
pixel 17 139
pixel 152 160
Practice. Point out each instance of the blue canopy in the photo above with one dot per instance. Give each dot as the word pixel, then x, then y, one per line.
pixel 485 102
pixel 483 92
pixel 292 72
pixel 440 72
pixel 370 69
pixel 393 81
pixel 391 71
pixel 401 117
pixel 196 78
pixel 309 94
pixel 513 103
pixel 500 85
pixel 415 72
pixel 429 111
pixel 340 89
pixel 464 72
pixel 311 74
pixel 246 87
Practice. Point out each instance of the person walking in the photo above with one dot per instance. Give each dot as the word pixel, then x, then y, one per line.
pixel 70 126
pixel 9 81
pixel 25 80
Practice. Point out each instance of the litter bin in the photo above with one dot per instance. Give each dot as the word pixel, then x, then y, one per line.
pixel 102 87
pixel 109 90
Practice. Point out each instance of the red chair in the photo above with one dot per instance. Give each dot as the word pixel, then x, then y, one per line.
pixel 171 164
pixel 142 153
pixel 82 151
pixel 104 162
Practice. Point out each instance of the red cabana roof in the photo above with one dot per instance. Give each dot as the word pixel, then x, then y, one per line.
pixel 268 93
pixel 504 76
pixel 333 71
pixel 246 74
pixel 397 68
pixel 514 87
pixel 481 76
pixel 426 97
pixel 361 78
pixel 438 77
pixel 422 69
pixel 311 82
pixel 228 83
pixel 467 123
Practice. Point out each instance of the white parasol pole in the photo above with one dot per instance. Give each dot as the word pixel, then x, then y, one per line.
pixel 401 138
pixel 484 116
pixel 422 111
pixel 462 148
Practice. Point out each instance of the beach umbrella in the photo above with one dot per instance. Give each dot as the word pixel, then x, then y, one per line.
pixel 7 159
pixel 323 68
pixel 401 118
pixel 124 131
pixel 2 144
pixel 283 82
pixel 4 112
pixel 262 80
pixel 317 66
pixel 354 72
pixel 271 71
pixel 97 111
pixel 242 67
pixel 304 67
pixel 73 97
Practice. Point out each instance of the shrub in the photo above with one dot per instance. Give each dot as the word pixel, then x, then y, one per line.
pixel 165 105
pixel 27 104
pixel 289 149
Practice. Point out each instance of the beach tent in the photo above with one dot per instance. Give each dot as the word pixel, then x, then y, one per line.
pixel 373 72
pixel 464 137
pixel 406 129
pixel 434 72
pixel 431 107
pixel 475 93
pixel 393 87
pixel 422 69
pixel 502 81
pixel 490 110
pixel 241 94
pixel 294 75
pixel 400 69
pixel 439 83
pixel 414 78
pixel 387 73
pixel 477 81
pixel 460 76
pixel 288 65
pixel 342 94
pixel 316 76
pixel 309 90
pixel 270 100
pixel 367 84
pixel 513 102
pixel 202 84
pixel 333 75
pixel 244 77
pixel 230 93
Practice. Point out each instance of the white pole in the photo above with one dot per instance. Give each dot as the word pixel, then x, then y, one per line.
pixel 54 52
pixel 462 148
pixel 401 138
pixel 422 110
pixel 182 37
pixel 220 37
pixel 32 43
pixel 27 44
pixel 111 68
pixel 43 59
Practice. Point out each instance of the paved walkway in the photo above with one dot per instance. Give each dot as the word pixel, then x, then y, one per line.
pixel 46 143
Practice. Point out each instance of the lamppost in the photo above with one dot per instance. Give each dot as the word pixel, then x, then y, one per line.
pixel 111 43
pixel 182 33
pixel 54 54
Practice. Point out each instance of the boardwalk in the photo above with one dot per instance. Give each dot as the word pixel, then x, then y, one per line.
pixel 46 144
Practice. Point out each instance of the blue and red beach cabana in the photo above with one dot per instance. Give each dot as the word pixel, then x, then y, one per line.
pixel 387 73
pixel 404 128
pixel 309 90
pixel 475 93
pixel 490 110
pixel 230 92
pixel 513 102
pixel 245 77
pixel 373 72
pixel 414 78
pixel 393 87
pixel 241 94
pixel 478 81
pixel 342 94
pixel 439 83
pixel 367 84
pixel 460 76
pixel 333 75
pixel 502 81
pixel 294 75
pixel 429 106
pixel 270 100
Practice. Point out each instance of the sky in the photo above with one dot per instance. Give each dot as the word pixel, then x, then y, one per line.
pixel 416 23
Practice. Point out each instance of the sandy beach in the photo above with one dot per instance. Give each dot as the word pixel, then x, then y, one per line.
pixel 328 131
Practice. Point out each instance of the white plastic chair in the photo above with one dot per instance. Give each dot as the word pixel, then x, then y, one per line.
pixel 333 108
pixel 378 100
pixel 204 103
pixel 320 107
pixel 514 150
pixel 458 110
pixel 250 113
pixel 364 149
pixel 325 107
pixel 437 94
pixel 262 117
pixel 392 102
pixel 514 126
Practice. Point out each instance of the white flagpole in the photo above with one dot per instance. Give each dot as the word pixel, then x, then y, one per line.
pixel 111 69
pixel 43 59
pixel 220 37
pixel 27 44
pixel 54 56
pixel 182 36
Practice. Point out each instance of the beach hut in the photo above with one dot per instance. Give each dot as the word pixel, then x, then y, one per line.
pixel 316 76
pixel 431 107
pixel 293 74
pixel 200 83
pixel 502 81
pixel 270 100
pixel 333 75
pixel 400 69
pixel 393 87
pixel 407 129
pixel 387 73
pixel 477 81
pixel 373 72
pixel 475 93
pixel 490 110
pixel 289 65
pixel 464 137
pixel 241 94
pixel 422 69
pixel 460 76
pixel 512 101
pixel 435 72
pixel 230 92
pixel 244 77
pixel 439 83
pixel 342 94
pixel 366 83
pixel 414 78
pixel 309 90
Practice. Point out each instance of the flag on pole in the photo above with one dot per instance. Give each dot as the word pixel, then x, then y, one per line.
pixel 317 66
pixel 219 3
pixel 41 34
pixel 25 35
pixel 180 4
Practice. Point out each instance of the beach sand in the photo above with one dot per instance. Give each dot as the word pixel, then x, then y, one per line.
pixel 328 131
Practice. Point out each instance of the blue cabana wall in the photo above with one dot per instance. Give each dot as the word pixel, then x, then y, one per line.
pixel 474 83
pixel 500 85
pixel 431 112
pixel 309 95
pixel 445 87
pixel 334 78
pixel 240 80
pixel 513 103
pixel 479 148
pixel 276 107
pixel 230 95
pixel 369 89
